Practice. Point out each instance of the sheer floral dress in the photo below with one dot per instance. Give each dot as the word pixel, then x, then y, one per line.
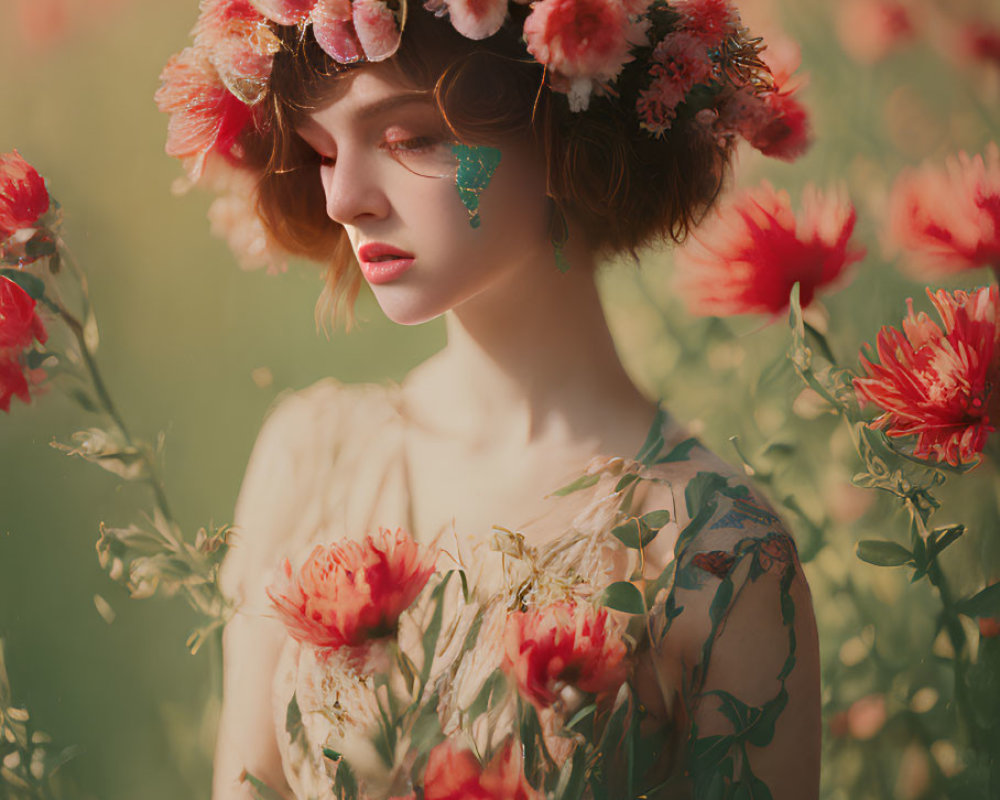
pixel 635 541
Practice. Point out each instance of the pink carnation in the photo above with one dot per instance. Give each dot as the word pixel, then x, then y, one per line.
pixel 205 117
pixel 778 126
pixel 351 593
pixel 23 196
pixel 240 44
pixel 747 255
pixel 581 39
pixel 680 62
pixel 940 385
pixel 477 19
pixel 710 20
pixel 948 220
pixel 871 29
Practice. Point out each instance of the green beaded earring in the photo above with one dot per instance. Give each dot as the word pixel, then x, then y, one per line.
pixel 476 165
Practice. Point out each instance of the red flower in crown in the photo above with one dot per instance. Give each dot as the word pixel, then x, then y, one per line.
pixel 747 256
pixel 561 644
pixel 454 773
pixel 351 593
pixel 205 117
pixel 948 220
pixel 23 196
pixel 19 327
pixel 939 385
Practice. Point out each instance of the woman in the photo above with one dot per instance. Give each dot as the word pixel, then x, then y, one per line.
pixel 478 162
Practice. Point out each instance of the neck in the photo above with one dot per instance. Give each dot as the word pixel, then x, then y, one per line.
pixel 532 360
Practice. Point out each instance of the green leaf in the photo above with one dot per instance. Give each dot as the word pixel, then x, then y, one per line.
pixel 572 776
pixel 635 533
pixel 293 717
pixel 624 596
pixel 580 715
pixel 583 482
pixel 32 284
pixel 940 538
pixel 626 480
pixel 762 732
pixel 430 637
pixel 680 452
pixel 656 519
pixel 700 489
pixel 261 790
pixel 984 604
pixel 654 438
pixel 494 687
pixel 883 554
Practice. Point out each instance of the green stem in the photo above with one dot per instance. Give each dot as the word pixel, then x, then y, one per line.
pixel 956 635
pixel 104 397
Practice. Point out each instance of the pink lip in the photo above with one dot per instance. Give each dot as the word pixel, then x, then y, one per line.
pixel 382 263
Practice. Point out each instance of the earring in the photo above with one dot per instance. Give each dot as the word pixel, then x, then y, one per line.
pixel 560 237
pixel 476 165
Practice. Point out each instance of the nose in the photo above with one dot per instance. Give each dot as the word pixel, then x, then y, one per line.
pixel 353 188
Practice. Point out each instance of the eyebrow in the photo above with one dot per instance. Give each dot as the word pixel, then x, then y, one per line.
pixel 392 102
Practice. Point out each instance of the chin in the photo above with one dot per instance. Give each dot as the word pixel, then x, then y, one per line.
pixel 409 313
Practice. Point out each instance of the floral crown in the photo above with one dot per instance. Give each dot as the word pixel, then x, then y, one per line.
pixel 662 61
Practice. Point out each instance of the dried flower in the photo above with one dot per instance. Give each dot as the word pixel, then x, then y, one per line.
pixel 454 773
pixel 939 385
pixel 23 196
pixel 747 256
pixel 560 644
pixel 871 29
pixel 948 220
pixel 205 117
pixel 19 327
pixel 351 593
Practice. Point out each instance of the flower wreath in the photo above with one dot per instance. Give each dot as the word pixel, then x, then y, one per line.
pixel 690 58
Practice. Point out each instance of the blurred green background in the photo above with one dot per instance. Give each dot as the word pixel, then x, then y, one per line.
pixel 184 334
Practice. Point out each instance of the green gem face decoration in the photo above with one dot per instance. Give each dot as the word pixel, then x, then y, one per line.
pixel 476 165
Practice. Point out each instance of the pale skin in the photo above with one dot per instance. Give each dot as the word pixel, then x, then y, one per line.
pixel 528 387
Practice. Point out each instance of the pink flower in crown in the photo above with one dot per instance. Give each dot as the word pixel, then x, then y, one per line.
pixel 352 593
pixel 285 12
pixel 582 40
pixel 205 117
pixel 710 20
pixel 948 220
pixel 23 196
pixel 20 325
pixel 333 27
pixel 559 645
pixel 477 19
pixel 680 62
pixel 454 773
pixel 871 29
pixel 939 384
pixel 376 28
pixel 240 44
pixel 745 258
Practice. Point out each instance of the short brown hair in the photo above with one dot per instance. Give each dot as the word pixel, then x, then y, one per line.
pixel 625 188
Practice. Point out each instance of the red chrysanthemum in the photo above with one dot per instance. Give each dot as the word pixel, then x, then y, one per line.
pixel 745 258
pixel 23 196
pixel 948 220
pixel 562 644
pixel 350 593
pixel 239 43
pixel 454 773
pixel 981 41
pixel 710 20
pixel 587 39
pixel 20 325
pixel 939 385
pixel 205 117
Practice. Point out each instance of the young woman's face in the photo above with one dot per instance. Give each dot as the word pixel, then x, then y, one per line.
pixel 411 232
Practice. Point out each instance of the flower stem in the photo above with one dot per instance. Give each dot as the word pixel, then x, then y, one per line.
pixel 104 398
